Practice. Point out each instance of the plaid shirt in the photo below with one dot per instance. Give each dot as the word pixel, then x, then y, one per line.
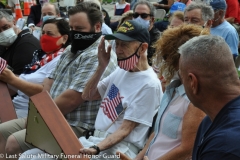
pixel 73 72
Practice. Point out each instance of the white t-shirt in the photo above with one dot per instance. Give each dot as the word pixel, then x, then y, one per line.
pixel 106 29
pixel 20 102
pixel 139 92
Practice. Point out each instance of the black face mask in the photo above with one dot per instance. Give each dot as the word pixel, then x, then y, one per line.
pixel 82 40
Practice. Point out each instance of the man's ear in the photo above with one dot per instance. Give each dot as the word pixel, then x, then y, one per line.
pixel 98 27
pixel 152 19
pixel 209 24
pixel 65 38
pixel 193 83
pixel 143 48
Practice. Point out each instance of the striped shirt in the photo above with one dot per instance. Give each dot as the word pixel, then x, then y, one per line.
pixel 73 72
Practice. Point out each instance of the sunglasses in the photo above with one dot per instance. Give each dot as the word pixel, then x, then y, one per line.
pixel 143 15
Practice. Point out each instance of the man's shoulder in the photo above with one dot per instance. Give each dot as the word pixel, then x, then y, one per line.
pixel 28 38
pixel 149 79
pixel 226 27
pixel 87 55
pixel 36 7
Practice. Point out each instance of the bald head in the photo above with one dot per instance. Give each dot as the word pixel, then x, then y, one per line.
pixel 50 9
pixel 210 58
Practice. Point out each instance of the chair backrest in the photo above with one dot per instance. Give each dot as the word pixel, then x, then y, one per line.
pixel 160 14
pixel 48 129
pixel 7 112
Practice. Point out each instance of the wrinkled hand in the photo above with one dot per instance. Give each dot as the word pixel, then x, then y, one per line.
pixel 103 55
pixel 123 156
pixel 89 151
pixel 7 75
pixel 145 158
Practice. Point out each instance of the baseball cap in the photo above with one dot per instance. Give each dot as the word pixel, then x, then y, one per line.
pixel 218 4
pixel 130 31
pixel 177 6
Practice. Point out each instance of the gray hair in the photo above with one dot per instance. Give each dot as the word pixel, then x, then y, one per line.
pixel 147 3
pixel 8 17
pixel 207 10
pixel 207 53
pixel 55 7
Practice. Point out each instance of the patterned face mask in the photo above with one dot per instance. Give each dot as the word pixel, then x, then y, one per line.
pixel 129 62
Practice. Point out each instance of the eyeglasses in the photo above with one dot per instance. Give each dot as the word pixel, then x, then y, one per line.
pixel 143 15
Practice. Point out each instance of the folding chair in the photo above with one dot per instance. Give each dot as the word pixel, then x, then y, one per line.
pixel 160 14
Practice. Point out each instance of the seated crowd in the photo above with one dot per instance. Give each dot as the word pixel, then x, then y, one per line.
pixel 143 93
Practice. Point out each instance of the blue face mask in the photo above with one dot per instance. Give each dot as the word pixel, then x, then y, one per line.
pixel 145 23
pixel 47 17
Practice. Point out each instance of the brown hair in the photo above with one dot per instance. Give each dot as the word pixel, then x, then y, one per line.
pixel 166 57
pixel 177 14
pixel 91 9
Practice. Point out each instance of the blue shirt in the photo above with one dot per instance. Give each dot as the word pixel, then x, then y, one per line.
pixel 167 98
pixel 229 33
pixel 219 140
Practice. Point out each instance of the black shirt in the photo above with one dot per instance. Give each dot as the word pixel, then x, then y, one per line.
pixel 165 2
pixel 154 36
pixel 20 53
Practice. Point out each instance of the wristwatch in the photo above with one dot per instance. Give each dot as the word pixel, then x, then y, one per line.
pixel 97 149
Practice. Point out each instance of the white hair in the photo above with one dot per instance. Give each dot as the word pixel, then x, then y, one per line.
pixel 206 52
pixel 206 10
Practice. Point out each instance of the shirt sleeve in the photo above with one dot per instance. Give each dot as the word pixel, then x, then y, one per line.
pixel 127 8
pixel 31 17
pixel 103 84
pixel 232 41
pixel 23 54
pixel 87 67
pixel 143 106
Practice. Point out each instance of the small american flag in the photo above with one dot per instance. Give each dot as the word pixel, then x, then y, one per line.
pixel 3 65
pixel 112 105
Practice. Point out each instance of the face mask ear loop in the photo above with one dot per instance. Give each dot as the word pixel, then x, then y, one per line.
pixel 137 50
pixel 204 24
pixel 135 65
